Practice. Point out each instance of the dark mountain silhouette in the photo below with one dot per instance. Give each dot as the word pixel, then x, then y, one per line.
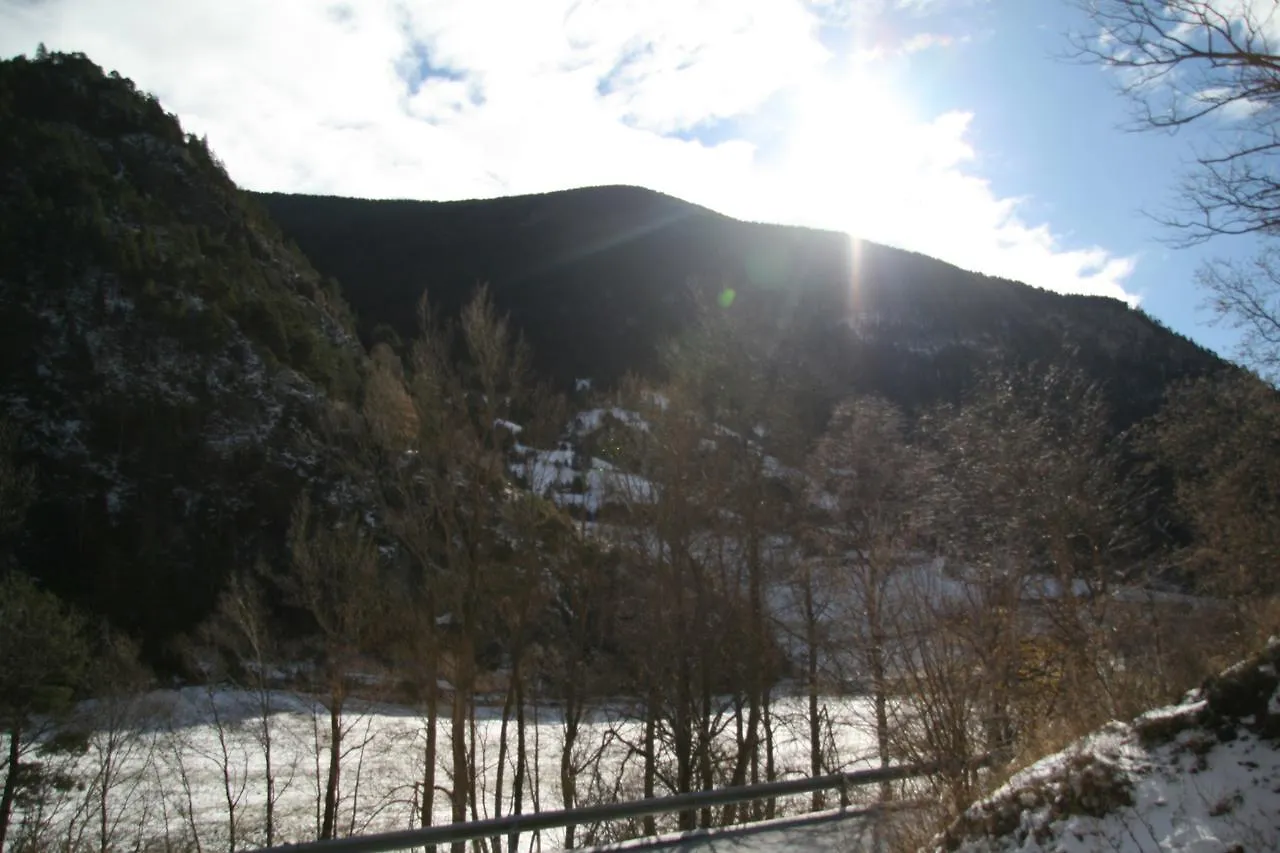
pixel 597 278
pixel 164 355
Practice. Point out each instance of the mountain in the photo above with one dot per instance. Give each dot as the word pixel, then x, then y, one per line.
pixel 598 278
pixel 173 349
pixel 167 359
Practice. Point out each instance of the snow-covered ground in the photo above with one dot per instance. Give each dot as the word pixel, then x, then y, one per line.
pixel 162 766
pixel 825 832
pixel 1202 776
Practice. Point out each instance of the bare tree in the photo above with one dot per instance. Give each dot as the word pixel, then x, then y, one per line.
pixel 582 600
pixel 871 484
pixel 938 717
pixel 667 509
pixel 175 759
pixel 453 500
pixel 230 758
pixel 1037 527
pixel 740 384
pixel 1183 62
pixel 336 580
pixel 419 659
pixel 393 428
pixel 241 628
pixel 121 745
pixel 544 539
pixel 1247 297
pixel 814 617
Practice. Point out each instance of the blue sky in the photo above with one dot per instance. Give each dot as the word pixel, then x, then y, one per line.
pixel 944 126
pixel 1057 132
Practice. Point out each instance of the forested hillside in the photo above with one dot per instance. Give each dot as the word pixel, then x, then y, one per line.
pixel 599 278
pixel 165 357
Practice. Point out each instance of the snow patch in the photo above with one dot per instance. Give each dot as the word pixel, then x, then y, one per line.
pixel 1202 776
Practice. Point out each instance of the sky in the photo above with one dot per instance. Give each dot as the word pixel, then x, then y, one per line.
pixel 950 127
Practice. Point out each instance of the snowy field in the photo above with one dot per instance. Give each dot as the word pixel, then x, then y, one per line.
pixel 160 772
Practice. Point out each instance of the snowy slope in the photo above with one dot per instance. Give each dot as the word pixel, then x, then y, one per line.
pixel 1202 776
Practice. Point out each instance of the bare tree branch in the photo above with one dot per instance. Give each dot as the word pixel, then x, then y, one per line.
pixel 1247 297
pixel 1183 61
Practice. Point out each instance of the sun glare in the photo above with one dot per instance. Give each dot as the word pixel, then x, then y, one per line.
pixel 848 144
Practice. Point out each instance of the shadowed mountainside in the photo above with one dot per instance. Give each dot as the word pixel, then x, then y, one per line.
pixel 166 358
pixel 597 278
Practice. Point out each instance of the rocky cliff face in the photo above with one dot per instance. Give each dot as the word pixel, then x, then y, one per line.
pixel 167 358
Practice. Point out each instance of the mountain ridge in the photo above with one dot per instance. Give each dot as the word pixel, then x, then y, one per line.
pixel 599 278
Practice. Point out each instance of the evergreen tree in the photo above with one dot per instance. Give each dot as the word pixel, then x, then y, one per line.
pixel 43 656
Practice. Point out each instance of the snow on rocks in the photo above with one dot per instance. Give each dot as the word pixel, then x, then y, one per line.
pixel 593 419
pixel 572 479
pixel 1202 776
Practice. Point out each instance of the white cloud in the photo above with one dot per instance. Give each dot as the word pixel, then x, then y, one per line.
pixel 925 41
pixel 535 95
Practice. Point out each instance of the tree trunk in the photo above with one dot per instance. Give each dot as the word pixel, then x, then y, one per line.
pixel 522 767
pixel 265 708
pixel 10 782
pixel 704 741
pixel 429 752
pixel 770 767
pixel 502 757
pixel 568 776
pixel 811 673
pixel 230 796
pixel 748 757
pixel 879 680
pixel 650 756
pixel 880 687
pixel 740 761
pixel 758 666
pixel 104 790
pixel 458 732
pixel 473 777
pixel 328 826
pixel 682 735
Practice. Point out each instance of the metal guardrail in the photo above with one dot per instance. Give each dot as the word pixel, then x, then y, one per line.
pixel 516 824
pixel 693 838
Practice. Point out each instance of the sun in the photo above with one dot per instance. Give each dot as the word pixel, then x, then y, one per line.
pixel 848 141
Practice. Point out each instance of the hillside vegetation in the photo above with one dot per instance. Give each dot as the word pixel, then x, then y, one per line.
pixel 1196 776
pixel 163 353
pixel 597 279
